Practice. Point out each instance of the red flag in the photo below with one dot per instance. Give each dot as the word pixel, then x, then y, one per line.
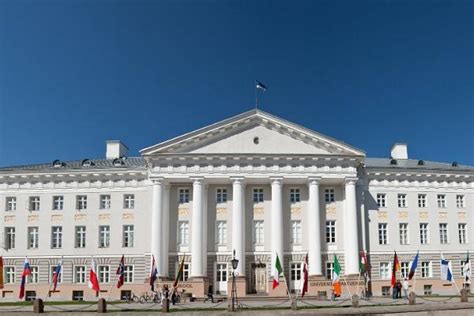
pixel 121 272
pixel 26 272
pixel 93 281
pixel 1 272
pixel 395 268
pixel 304 290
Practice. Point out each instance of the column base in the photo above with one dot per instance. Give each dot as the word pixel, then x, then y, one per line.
pixel 240 285
pixel 198 286
pixel 280 290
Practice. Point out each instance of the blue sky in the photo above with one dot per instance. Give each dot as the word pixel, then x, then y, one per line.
pixel 370 73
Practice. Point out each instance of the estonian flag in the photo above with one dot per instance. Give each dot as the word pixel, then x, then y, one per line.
pixel 260 85
pixel 446 273
pixel 414 265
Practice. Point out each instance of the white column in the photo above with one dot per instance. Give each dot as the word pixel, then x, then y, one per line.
pixel 314 228
pixel 204 229
pixel 157 224
pixel 166 231
pixel 351 237
pixel 197 230
pixel 277 222
pixel 238 223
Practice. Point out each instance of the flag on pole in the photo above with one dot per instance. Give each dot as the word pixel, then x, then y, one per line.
pixel 336 282
pixel 1 272
pixel 395 268
pixel 446 270
pixel 304 290
pixel 153 273
pixel 466 269
pixel 179 275
pixel 56 274
pixel 121 272
pixel 260 85
pixel 278 271
pixel 413 267
pixel 26 272
pixel 93 281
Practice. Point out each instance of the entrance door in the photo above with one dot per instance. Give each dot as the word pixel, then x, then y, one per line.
pixel 295 277
pixel 259 278
pixel 221 278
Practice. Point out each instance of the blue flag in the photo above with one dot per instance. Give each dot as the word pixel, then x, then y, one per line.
pixel 446 273
pixel 414 264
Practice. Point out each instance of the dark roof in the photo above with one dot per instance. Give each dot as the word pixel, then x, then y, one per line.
pixel 414 164
pixel 97 164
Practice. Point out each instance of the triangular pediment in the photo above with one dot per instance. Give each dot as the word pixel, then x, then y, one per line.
pixel 253 132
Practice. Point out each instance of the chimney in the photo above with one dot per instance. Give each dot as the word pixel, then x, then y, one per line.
pixel 399 151
pixel 115 149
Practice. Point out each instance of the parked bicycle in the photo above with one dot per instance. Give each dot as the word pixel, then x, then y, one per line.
pixel 132 299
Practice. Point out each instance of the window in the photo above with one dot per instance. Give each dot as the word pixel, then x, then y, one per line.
pixel 186 269
pixel 77 295
pixel 404 269
pixel 81 202
pixel 385 273
pixel 56 237
pixel 80 237
pixel 462 232
pixel 128 234
pixel 129 201
pixel 10 203
pixel 104 202
pixel 58 203
pixel 426 269
pixel 386 291
pixel 104 274
pixel 424 234
pixel 34 203
pixel 258 232
pixel 34 277
pixel 183 233
pixel 183 196
pixel 383 234
pixel 330 232
pixel 427 289
pixel 257 195
pixel 329 269
pixel 295 271
pixel 381 200
pixel 441 200
pixel 221 230
pixel 402 200
pixel 128 274
pixel 52 269
pixel 443 233
pixel 30 296
pixel 221 195
pixel 104 236
pixel 221 272
pixel 329 195
pixel 9 238
pixel 80 274
pixel 33 237
pixel 295 195
pixel 9 275
pixel 460 201
pixel 422 200
pixel 403 234
pixel 296 232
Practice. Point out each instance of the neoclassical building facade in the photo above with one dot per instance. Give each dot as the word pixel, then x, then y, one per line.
pixel 255 185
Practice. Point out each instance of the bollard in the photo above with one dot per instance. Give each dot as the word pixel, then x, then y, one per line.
pixel 38 306
pixel 355 300
pixel 464 296
pixel 294 304
pixel 166 305
pixel 412 298
pixel 101 306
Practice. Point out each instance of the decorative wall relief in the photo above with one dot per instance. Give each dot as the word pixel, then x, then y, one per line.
pixel 80 217
pixel 127 216
pixel 403 214
pixel 383 214
pixel 423 215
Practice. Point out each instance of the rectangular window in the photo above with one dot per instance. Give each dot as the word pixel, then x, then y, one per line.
pixel 128 236
pixel 460 201
pixel 295 271
pixel 424 234
pixel 183 233
pixel 10 238
pixel 104 236
pixel 34 277
pixel 80 274
pixel 257 195
pixel 296 232
pixel 426 269
pixel 34 203
pixel 462 232
pixel 58 203
pixel 403 234
pixel 331 232
pixel 221 230
pixel 128 274
pixel 186 270
pixel 381 200
pixel 329 269
pixel 384 272
pixel 33 237
pixel 183 196
pixel 104 274
pixel 441 200
pixel 52 269
pixel 329 195
pixel 443 233
pixel 402 200
pixel 77 295
pixel 9 275
pixel 80 241
pixel 128 201
pixel 221 272
pixel 221 195
pixel 422 200
pixel 404 269
pixel 10 203
pixel 427 289
pixel 258 232
pixel 105 202
pixel 383 234
pixel 81 202
pixel 295 195
pixel 56 237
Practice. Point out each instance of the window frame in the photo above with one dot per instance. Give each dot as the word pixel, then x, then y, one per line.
pixel 381 200
pixel 295 195
pixel 329 195
pixel 128 236
pixel 33 231
pixel 221 195
pixel 58 203
pixel 183 233
pixel 331 231
pixel 383 233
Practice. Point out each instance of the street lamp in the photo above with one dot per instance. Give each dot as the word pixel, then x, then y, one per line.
pixel 235 264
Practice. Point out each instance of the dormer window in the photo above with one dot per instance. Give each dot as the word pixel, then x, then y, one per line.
pixel 87 163
pixel 393 161
pixel 58 164
pixel 118 162
pixel 421 162
pixel 454 164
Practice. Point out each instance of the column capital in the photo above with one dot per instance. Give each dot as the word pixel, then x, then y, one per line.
pixel 276 180
pixel 197 179
pixel 237 179
pixel 314 180
pixel 157 180
pixel 350 180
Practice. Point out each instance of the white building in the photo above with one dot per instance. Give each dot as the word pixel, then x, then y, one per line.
pixel 254 183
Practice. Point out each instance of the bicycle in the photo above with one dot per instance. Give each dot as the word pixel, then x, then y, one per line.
pixel 150 298
pixel 132 299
